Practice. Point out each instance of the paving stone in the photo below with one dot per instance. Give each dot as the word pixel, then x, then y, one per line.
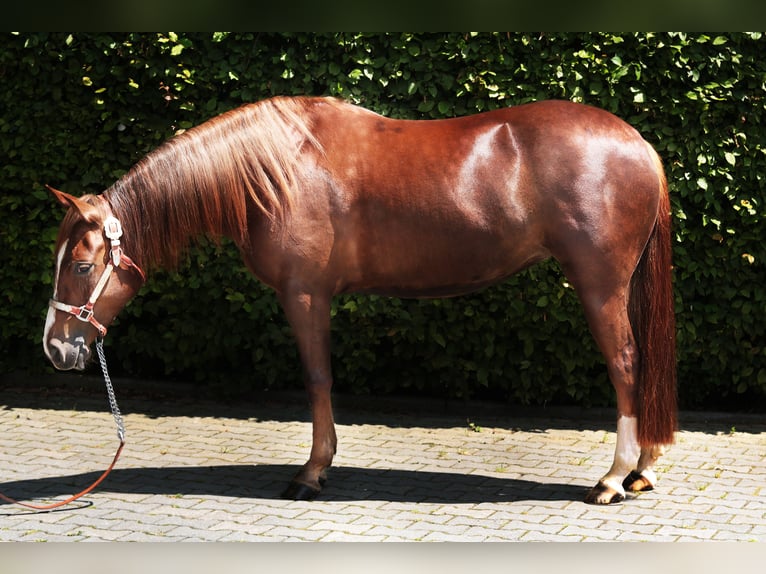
pixel 204 471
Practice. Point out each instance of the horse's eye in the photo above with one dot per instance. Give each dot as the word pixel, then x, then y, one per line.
pixel 82 268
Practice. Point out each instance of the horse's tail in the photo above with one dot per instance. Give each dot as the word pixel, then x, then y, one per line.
pixel 652 316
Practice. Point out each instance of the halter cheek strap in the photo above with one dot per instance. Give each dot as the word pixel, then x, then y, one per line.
pixel 113 232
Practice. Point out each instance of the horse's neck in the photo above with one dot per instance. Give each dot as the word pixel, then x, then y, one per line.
pixel 159 224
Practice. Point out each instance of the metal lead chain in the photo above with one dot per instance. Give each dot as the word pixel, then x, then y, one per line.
pixel 110 390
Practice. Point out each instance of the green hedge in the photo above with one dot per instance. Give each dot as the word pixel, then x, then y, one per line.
pixel 77 110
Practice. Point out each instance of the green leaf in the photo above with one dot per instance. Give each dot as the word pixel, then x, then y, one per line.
pixel 695 97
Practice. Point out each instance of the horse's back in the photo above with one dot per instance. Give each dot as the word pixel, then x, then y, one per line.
pixel 534 148
pixel 441 207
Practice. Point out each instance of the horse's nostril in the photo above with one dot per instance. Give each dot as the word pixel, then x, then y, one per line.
pixel 66 356
pixel 56 351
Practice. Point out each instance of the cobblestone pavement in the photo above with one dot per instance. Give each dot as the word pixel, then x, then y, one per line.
pixel 207 471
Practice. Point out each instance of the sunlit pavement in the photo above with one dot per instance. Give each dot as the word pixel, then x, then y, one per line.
pixel 195 470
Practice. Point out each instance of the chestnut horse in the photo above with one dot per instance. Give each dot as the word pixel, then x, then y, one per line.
pixel 323 198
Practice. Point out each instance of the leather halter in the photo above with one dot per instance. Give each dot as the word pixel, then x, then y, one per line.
pixel 113 232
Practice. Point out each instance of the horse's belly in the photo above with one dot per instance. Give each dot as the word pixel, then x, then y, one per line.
pixel 422 270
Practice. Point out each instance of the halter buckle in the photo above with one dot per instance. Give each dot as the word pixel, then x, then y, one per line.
pixel 113 232
pixel 113 229
pixel 84 313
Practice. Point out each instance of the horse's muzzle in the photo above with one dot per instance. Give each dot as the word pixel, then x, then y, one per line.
pixel 66 356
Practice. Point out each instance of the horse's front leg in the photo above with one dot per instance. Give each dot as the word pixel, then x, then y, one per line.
pixel 309 316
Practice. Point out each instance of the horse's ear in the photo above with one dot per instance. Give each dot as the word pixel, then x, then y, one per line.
pixel 86 210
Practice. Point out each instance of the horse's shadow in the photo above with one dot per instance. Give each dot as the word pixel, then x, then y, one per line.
pixel 267 481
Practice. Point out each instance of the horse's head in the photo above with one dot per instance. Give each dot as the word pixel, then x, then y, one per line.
pixel 93 281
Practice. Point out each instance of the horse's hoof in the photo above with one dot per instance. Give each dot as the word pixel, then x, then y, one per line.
pixel 637 482
pixel 300 491
pixel 604 494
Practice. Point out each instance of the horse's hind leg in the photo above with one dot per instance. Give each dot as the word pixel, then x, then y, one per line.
pixel 309 316
pixel 611 329
pixel 603 293
pixel 643 478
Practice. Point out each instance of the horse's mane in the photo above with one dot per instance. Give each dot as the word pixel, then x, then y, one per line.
pixel 209 179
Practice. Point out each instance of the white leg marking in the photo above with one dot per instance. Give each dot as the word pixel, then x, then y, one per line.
pixel 649 457
pixel 626 453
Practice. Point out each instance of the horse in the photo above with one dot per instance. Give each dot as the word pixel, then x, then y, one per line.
pixel 323 197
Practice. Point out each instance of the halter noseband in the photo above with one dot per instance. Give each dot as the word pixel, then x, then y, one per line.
pixel 113 232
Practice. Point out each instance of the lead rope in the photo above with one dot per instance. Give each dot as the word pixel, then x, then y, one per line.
pixel 120 434
pixel 110 391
